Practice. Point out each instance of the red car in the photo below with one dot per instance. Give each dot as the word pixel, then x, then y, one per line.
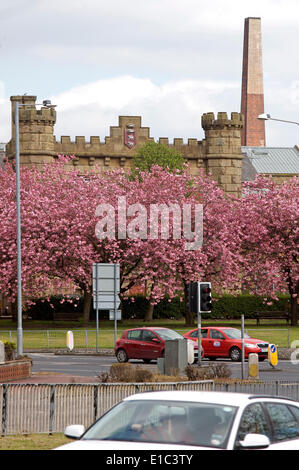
pixel 227 342
pixel 145 343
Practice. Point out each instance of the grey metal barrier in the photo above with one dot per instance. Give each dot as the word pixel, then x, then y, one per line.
pixel 45 408
pixel 49 408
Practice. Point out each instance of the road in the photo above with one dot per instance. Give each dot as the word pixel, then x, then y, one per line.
pixel 92 366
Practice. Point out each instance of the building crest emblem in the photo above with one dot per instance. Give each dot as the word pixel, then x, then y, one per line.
pixel 130 136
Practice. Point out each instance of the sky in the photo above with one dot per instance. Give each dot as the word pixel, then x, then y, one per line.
pixel 168 61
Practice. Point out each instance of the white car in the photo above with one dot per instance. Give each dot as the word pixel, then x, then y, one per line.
pixel 192 420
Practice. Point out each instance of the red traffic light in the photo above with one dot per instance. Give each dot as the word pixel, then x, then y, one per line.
pixel 206 290
pixel 205 296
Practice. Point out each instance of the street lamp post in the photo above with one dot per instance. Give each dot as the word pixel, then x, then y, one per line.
pixel 19 252
pixel 46 103
pixel 267 117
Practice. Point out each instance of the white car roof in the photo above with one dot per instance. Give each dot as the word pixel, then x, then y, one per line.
pixel 221 398
pixel 227 398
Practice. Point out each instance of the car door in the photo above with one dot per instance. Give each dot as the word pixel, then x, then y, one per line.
pixel 150 345
pixel 216 344
pixel 194 337
pixel 277 421
pixel 204 335
pixel 285 425
pixel 253 421
pixel 133 343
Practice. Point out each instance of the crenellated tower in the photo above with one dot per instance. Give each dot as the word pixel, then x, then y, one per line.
pixel 36 127
pixel 222 148
pixel 218 154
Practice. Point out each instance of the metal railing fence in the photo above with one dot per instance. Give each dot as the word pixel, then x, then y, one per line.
pixel 86 338
pixel 49 408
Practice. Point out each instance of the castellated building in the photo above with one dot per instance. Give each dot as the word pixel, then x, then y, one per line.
pixel 219 153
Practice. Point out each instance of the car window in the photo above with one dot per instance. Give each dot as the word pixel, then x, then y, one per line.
pixel 233 333
pixel 285 425
pixel 253 421
pixel 134 334
pixel 166 422
pixel 148 335
pixel 194 334
pixel 167 334
pixel 215 334
pixel 295 411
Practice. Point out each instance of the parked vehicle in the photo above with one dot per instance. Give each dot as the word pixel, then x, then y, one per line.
pixel 147 343
pixel 192 420
pixel 227 342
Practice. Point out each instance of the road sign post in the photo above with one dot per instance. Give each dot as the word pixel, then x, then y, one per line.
pixel 106 287
pixel 273 355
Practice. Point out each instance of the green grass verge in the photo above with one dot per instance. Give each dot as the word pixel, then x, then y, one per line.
pixel 43 335
pixel 33 442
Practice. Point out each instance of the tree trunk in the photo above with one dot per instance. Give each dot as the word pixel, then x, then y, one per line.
pixel 149 312
pixel 189 316
pixel 87 297
pixel 189 319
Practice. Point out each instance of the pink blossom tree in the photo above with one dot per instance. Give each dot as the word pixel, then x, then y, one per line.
pixel 165 263
pixel 61 209
pixel 267 220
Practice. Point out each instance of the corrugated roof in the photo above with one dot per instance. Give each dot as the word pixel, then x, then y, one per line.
pixel 273 160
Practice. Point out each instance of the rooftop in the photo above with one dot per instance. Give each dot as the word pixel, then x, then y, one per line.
pixel 270 160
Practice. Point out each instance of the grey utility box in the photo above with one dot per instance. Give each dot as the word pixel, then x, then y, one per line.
pixel 176 356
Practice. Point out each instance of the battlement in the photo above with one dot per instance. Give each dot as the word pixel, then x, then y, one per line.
pixel 209 122
pixel 28 113
pixel 117 144
pixel 95 141
pixel 178 142
pixel 219 153
pixel 31 114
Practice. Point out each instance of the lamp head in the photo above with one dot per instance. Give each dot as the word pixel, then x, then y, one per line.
pixel 264 117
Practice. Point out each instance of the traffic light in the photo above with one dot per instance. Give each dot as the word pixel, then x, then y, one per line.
pixel 192 300
pixel 205 297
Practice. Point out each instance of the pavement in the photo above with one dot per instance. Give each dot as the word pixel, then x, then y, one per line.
pixel 60 378
pixel 53 378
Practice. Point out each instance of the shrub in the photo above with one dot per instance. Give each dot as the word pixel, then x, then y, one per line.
pixel 9 350
pixel 226 306
pixel 45 309
pixel 229 306
pixel 128 373
pixel 214 371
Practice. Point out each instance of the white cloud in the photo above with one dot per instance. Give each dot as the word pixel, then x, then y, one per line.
pixel 164 60
pixel 173 109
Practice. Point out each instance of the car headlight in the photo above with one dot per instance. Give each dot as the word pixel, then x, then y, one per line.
pixel 250 346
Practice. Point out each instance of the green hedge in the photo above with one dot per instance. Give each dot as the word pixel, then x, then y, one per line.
pixel 44 309
pixel 226 306
pixel 229 306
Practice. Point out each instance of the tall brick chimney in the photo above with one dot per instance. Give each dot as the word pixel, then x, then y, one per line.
pixel 252 99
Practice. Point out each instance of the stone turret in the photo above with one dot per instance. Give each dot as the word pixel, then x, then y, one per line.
pixel 36 127
pixel 222 146
pixel 218 154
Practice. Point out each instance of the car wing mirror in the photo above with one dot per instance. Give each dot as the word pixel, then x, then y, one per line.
pixel 155 340
pixel 74 431
pixel 255 441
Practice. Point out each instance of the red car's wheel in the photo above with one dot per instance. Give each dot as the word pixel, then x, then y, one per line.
pixel 122 356
pixel 235 354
